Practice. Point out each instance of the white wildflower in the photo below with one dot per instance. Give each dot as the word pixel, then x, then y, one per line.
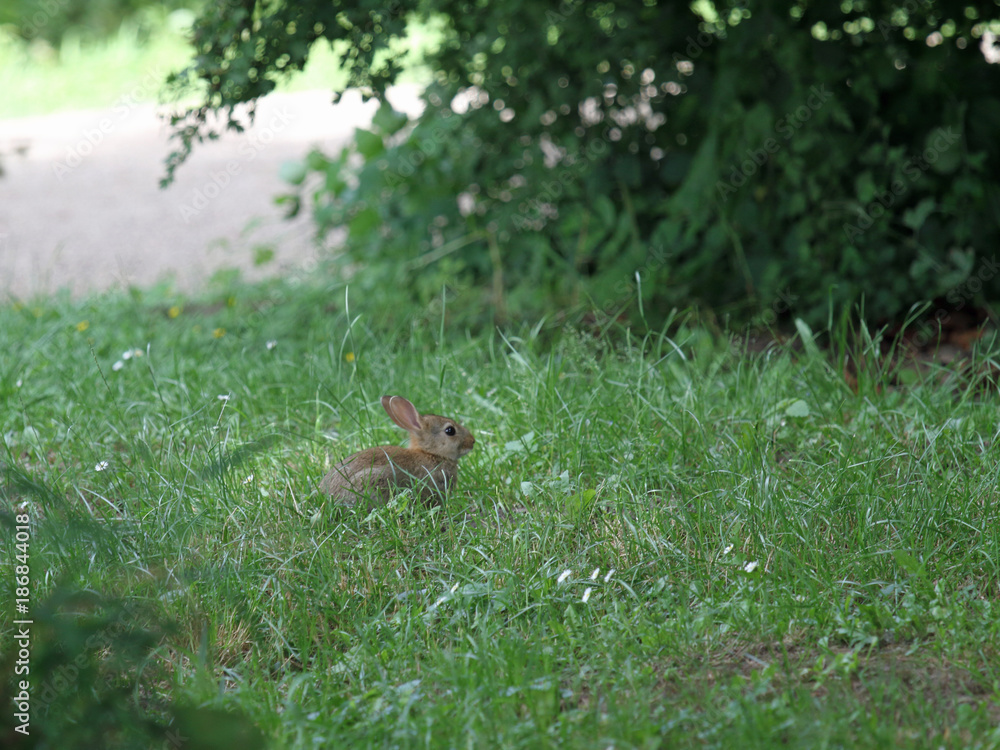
pixel 117 365
pixel 728 549
pixel 223 397
pixel 593 576
pixel 454 588
pixel 750 567
pixel 101 466
pixel 609 574
pixel 271 344
pixel 586 595
pixel 564 575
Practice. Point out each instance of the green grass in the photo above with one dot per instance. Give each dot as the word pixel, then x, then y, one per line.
pixel 772 558
pixel 132 66
pixel 85 74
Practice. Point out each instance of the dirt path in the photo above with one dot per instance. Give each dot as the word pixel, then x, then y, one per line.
pixel 80 206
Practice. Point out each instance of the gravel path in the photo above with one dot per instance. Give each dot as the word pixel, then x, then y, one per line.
pixel 80 206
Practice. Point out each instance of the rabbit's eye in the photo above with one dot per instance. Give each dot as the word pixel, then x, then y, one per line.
pixel 449 430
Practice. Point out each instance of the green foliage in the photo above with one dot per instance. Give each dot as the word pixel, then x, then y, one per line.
pixel 84 655
pixel 243 50
pixel 88 658
pixel 762 154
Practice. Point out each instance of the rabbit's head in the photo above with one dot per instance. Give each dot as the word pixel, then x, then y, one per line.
pixel 439 436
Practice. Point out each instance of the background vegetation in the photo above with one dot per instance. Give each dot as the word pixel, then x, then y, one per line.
pixel 88 66
pixel 53 21
pixel 734 154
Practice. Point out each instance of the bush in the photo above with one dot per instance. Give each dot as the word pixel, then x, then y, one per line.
pixel 751 157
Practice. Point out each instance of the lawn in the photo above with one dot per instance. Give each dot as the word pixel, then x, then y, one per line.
pixel 132 65
pixel 658 541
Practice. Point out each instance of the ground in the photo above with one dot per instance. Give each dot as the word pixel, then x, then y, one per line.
pixel 81 209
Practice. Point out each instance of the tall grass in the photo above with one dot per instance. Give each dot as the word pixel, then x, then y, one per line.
pixel 657 541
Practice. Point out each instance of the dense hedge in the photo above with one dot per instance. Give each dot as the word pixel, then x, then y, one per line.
pixel 760 156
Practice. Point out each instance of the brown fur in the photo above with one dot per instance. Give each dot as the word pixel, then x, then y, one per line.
pixel 430 464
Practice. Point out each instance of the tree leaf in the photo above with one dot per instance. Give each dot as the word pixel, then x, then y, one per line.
pixel 915 217
pixel 369 144
pixel 387 120
pixel 293 172
pixel 363 222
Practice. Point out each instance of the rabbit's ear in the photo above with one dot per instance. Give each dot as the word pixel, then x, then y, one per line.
pixel 402 412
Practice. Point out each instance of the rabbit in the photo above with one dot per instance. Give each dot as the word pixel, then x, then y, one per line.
pixel 430 463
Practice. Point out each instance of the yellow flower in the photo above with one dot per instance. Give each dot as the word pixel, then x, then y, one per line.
pixel 83 325
pixel 219 333
pixel 174 311
pixel 349 356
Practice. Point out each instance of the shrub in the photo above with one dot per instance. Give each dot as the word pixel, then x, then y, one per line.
pixel 752 156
